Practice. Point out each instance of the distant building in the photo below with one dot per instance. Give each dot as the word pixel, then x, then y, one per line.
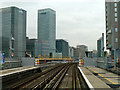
pixel 32 47
pixel 81 50
pixel 47 31
pixel 94 53
pixel 71 52
pixel 13 29
pixel 76 53
pixel 91 54
pixel 57 55
pixel 100 46
pixel 112 11
pixel 62 47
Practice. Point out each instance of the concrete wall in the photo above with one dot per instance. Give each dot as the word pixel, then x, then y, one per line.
pixel 90 62
pixel 12 63
pixel 18 62
pixel 101 62
pixel 28 62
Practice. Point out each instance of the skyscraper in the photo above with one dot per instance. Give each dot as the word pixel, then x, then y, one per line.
pixel 113 27
pixel 100 46
pixel 46 31
pixel 13 31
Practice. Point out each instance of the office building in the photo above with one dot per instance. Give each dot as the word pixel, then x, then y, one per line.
pixel 32 47
pixel 62 46
pixel 112 10
pixel 1 30
pixel 71 52
pixel 100 46
pixel 13 31
pixel 94 53
pixel 91 54
pixel 76 53
pixel 47 31
pixel 57 55
pixel 81 50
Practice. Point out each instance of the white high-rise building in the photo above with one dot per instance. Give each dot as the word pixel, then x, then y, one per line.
pixel 46 31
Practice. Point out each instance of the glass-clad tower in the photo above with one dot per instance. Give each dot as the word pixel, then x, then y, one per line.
pixel 13 31
pixel 46 31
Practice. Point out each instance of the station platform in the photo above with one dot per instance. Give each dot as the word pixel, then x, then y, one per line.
pixel 93 81
pixel 111 79
pixel 22 69
pixel 14 70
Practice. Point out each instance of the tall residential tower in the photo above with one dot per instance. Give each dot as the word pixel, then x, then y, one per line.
pixel 112 10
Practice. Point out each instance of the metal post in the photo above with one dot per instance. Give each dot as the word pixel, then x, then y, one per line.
pixel 97 61
pixel 41 48
pixel 10 45
pixel 114 59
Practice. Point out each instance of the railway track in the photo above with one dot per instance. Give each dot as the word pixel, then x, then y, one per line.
pixel 73 79
pixel 53 78
pixel 26 80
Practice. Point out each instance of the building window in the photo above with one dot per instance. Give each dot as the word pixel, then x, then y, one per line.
pixel 115 19
pixel 116 29
pixel 116 39
pixel 109 31
pixel 115 4
pixel 115 9
pixel 115 14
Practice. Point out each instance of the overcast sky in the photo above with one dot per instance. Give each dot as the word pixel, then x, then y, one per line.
pixel 77 21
